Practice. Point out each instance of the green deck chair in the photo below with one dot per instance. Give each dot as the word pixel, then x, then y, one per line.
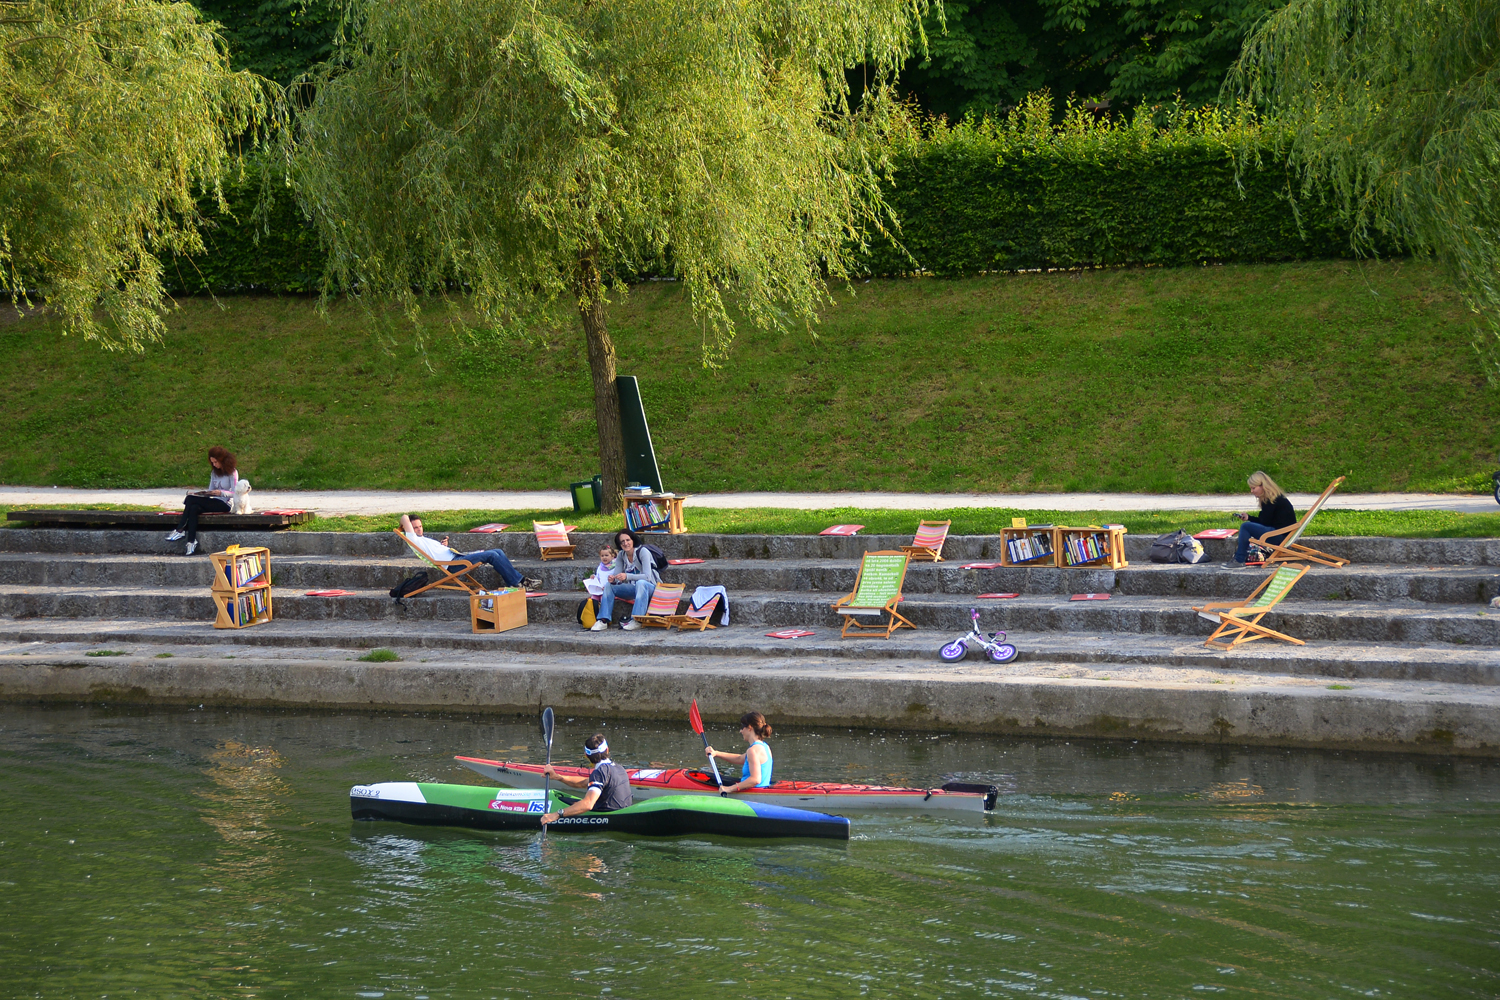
pixel 1239 621
pixel 876 591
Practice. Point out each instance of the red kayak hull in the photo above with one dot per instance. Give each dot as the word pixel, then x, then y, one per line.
pixel 822 795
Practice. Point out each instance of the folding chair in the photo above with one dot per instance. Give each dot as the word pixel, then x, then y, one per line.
pixel 876 591
pixel 552 540
pixel 1289 550
pixel 663 606
pixel 928 543
pixel 455 574
pixel 696 619
pixel 1239 621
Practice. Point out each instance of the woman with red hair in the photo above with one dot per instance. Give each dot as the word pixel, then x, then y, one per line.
pixel 222 478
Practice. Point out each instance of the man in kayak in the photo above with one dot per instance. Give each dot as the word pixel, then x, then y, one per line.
pixel 608 785
pixel 755 762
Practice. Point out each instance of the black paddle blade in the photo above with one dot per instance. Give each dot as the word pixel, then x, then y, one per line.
pixel 547 724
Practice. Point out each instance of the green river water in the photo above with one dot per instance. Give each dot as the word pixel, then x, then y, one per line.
pixel 210 853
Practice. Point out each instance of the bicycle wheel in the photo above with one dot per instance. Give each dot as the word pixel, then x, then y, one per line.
pixel 1002 653
pixel 954 651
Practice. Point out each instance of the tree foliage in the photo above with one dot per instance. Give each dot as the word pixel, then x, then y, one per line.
pixel 114 115
pixel 530 151
pixel 989 54
pixel 1394 106
pixel 277 39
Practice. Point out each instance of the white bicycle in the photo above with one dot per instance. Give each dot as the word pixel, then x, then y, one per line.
pixel 993 644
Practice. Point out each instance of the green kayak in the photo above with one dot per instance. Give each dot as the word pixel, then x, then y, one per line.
pixel 522 809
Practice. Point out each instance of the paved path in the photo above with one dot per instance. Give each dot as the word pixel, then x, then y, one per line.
pixel 333 502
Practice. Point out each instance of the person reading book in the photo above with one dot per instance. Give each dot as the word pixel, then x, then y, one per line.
pixel 439 552
pixel 1275 512
pixel 596 584
pixel 222 477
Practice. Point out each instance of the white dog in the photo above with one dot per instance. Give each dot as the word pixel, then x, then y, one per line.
pixel 241 504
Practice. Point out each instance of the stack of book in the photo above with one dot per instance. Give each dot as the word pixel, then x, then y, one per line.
pixel 644 514
pixel 1085 548
pixel 1029 548
pixel 245 570
pixel 247 607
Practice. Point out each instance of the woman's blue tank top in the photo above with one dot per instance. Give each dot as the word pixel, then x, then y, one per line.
pixel 765 771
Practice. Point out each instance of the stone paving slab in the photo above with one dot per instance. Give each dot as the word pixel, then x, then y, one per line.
pixel 1398 661
pixel 1130 703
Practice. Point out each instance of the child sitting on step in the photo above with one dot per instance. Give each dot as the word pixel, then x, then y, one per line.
pixel 595 584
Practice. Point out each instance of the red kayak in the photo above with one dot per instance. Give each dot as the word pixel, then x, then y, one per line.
pixel 824 796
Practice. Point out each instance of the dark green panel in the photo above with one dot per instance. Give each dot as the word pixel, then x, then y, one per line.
pixel 640 457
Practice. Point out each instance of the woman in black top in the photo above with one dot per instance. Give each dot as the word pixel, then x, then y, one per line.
pixel 1275 512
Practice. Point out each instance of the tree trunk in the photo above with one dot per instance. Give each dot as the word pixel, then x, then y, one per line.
pixel 606 396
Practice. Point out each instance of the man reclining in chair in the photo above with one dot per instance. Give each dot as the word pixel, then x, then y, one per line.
pixel 439 552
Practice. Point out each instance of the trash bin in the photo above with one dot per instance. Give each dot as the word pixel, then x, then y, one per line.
pixel 598 492
pixel 585 497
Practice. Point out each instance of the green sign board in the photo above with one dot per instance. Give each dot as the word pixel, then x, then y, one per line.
pixel 879 581
pixel 640 457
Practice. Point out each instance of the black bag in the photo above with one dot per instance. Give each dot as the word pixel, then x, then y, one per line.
pixel 658 557
pixel 1177 547
pixel 411 583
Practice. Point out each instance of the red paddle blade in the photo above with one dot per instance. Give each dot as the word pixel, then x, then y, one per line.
pixel 694 719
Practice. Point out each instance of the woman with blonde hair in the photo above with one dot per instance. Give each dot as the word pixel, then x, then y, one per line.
pixel 1275 512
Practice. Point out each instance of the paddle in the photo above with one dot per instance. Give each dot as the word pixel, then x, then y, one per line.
pixel 696 721
pixel 547 724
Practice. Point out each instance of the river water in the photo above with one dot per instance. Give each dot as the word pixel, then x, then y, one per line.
pixel 210 853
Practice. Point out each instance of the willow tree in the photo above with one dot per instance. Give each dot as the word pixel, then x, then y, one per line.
pixel 1394 106
pixel 531 154
pixel 114 116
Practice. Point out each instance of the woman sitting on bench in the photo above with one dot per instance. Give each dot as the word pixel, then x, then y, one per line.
pixel 215 500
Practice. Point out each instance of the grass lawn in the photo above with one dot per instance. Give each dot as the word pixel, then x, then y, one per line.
pixel 1149 380
pixel 966 521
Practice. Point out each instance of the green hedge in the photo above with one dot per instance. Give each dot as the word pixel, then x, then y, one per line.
pixel 982 195
pixel 1022 193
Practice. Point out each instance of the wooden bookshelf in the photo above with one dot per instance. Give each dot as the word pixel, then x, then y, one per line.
pixel 498 610
pixel 1035 546
pixel 654 512
pixel 242 586
pixel 1091 546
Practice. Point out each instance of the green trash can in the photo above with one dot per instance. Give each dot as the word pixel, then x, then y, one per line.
pixel 585 497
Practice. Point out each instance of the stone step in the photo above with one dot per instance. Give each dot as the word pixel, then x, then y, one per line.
pixel 831 579
pixel 416 641
pixel 1354 621
pixel 959 548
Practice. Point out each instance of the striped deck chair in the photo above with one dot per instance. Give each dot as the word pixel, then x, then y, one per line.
pixel 1288 550
pixel 455 574
pixel 1239 621
pixel 552 540
pixel 696 619
pixel 876 591
pixel 663 607
pixel 927 546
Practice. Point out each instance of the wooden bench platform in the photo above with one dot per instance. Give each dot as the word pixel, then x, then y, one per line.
pixel 153 519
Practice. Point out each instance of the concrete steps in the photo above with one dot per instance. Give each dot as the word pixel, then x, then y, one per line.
pixel 1419 612
pixel 419 640
pixel 832 578
pixel 1352 621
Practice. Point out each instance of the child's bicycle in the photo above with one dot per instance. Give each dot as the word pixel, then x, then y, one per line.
pixel 994 646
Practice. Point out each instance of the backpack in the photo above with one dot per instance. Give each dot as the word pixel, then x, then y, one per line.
pixel 658 558
pixel 588 612
pixel 1177 547
pixel 406 586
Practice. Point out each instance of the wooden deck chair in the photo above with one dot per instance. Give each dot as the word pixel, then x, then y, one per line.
pixel 1288 550
pixel 663 606
pixel 696 619
pixel 927 546
pixel 552 540
pixel 1239 621
pixel 455 574
pixel 876 591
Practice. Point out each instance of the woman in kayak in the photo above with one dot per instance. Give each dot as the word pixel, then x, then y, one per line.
pixel 755 762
